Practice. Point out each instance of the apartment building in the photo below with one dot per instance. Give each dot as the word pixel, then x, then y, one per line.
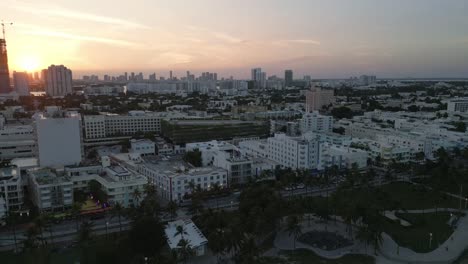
pixel 315 122
pixel 50 191
pixel 112 128
pixel 294 152
pixel 11 189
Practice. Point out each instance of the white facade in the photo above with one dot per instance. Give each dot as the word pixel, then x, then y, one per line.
pixel 21 83
pixel 172 177
pixel 458 105
pixel 294 152
pixel 143 147
pixel 58 139
pixel 50 192
pixel 11 188
pixel 58 81
pixel 17 142
pixel 315 122
pixel 102 126
pixel 340 156
pixel 193 235
pixel 116 181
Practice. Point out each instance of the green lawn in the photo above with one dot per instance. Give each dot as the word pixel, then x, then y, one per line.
pixel 416 237
pixel 412 196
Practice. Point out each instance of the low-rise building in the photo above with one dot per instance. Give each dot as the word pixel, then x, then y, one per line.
pixel 11 188
pixel 49 191
pixel 192 234
pixel 143 146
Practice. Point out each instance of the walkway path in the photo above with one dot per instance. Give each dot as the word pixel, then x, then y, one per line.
pixel 448 252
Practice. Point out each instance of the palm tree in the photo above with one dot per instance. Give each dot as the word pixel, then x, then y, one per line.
pixel 172 209
pixel 75 212
pixel 185 250
pixel 149 189
pixel 84 236
pixel 40 223
pixel 180 230
pixel 294 227
pixel 31 241
pixel 11 220
pixel 118 210
pixel 136 195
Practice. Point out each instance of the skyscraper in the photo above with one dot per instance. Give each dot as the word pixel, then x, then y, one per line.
pixel 170 75
pixel 58 81
pixel 259 77
pixel 288 77
pixel 4 72
pixel 21 84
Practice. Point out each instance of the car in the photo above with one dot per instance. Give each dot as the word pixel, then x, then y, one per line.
pixel 300 186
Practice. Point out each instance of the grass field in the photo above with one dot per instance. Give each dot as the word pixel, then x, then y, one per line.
pixel 416 236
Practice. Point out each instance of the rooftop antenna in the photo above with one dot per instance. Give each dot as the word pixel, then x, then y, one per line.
pixel 3 27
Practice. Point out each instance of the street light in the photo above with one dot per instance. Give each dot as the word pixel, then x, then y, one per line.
pixel 107 227
pixel 430 240
pixel 466 202
pixel 231 203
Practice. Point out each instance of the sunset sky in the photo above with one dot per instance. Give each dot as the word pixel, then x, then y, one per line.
pixel 323 38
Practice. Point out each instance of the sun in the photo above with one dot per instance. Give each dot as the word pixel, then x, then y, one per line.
pixel 29 63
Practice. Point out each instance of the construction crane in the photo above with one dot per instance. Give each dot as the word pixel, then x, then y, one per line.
pixel 3 27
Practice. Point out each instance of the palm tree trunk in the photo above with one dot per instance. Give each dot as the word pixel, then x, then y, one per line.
pixel 120 224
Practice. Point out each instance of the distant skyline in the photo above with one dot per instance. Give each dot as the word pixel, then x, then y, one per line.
pixel 321 38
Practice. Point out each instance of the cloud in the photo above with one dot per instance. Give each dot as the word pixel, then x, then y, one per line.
pixel 57 34
pixel 285 42
pixel 216 34
pixel 176 58
pixel 227 37
pixel 56 11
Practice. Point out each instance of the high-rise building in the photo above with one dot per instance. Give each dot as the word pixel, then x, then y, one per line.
pixel 259 77
pixel 21 83
pixel 288 77
pixel 170 75
pixel 36 76
pixel 4 72
pixel 316 98
pixel 55 128
pixel 58 81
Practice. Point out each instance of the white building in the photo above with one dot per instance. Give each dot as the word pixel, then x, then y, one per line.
pixel 58 81
pixel 193 235
pixel 315 122
pixel 11 188
pixel 119 183
pixel 59 140
pixel 341 156
pixel 143 146
pixel 457 105
pixel 21 83
pixel 294 152
pixel 17 141
pixel 49 191
pixel 109 128
pixel 172 176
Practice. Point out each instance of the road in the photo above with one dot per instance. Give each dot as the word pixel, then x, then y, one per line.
pixel 67 230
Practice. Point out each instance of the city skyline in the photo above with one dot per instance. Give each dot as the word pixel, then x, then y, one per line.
pixel 318 38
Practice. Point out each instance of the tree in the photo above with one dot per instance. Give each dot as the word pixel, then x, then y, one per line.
pixel 180 230
pixel 146 236
pixel 84 237
pixel 118 210
pixel 172 209
pixel 294 227
pixel 185 250
pixel 136 195
pixel 194 157
pixel 342 112
pixel 75 212
pixel 248 251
